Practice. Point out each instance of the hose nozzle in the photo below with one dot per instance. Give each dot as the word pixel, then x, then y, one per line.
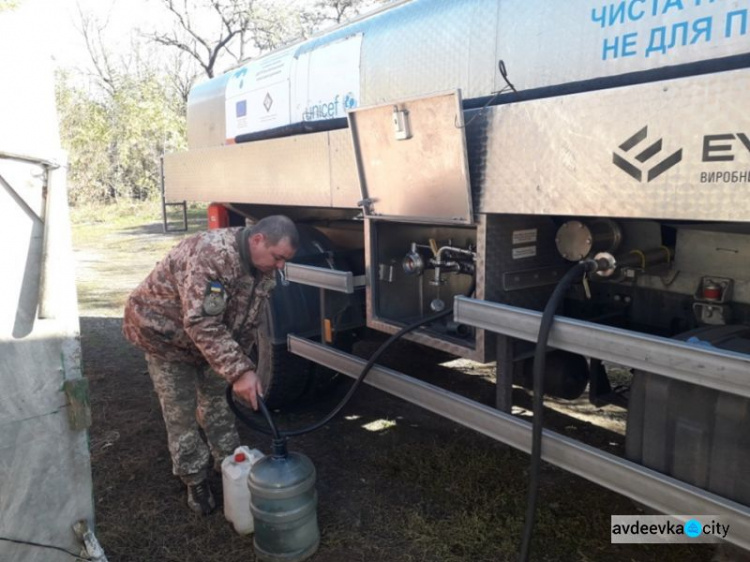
pixel 278 448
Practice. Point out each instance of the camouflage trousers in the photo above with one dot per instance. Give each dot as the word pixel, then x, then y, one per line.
pixel 191 398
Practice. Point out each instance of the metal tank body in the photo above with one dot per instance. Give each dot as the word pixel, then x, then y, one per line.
pixel 590 76
pixel 421 47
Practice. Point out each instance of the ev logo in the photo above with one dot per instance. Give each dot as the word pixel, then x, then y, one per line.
pixel 635 169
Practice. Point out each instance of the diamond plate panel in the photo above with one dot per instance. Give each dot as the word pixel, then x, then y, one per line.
pixel 558 155
pixel 477 130
pixel 424 177
pixel 345 192
pixel 287 171
pixel 425 47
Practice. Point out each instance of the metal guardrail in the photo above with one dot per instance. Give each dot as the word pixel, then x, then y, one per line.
pixel 713 368
pixel 718 369
pixel 330 279
pixel 663 493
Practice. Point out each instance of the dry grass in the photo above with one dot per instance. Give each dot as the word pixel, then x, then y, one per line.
pixel 116 246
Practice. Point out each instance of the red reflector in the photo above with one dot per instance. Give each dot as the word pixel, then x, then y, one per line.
pixel 711 292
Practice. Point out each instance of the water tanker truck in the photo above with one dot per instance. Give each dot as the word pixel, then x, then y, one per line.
pixel 466 154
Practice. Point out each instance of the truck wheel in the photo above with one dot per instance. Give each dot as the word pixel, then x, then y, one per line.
pixel 295 308
pixel 283 375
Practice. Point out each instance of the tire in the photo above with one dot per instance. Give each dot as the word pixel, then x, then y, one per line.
pixel 286 378
pixel 283 375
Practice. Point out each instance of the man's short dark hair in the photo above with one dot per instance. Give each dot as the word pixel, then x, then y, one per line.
pixel 277 227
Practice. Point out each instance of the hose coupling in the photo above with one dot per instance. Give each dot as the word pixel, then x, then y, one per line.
pixel 603 264
pixel 278 448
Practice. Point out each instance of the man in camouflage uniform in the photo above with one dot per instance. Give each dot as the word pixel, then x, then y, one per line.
pixel 195 316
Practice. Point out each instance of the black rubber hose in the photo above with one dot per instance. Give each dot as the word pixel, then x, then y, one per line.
pixel 540 357
pixel 272 430
pixel 266 414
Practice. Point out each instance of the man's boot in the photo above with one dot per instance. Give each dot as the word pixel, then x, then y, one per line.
pixel 200 498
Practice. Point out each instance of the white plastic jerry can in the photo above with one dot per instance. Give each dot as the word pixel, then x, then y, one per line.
pixel 234 472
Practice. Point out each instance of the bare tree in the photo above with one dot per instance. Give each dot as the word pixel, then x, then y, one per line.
pixel 232 21
pixel 111 63
pixel 92 31
pixel 182 74
pixel 333 12
pixel 116 131
pixel 340 8
pixel 210 31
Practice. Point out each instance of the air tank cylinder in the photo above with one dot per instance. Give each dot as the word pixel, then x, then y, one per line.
pixel 284 506
pixel 575 239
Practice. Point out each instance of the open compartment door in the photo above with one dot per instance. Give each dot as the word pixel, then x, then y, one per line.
pixel 412 161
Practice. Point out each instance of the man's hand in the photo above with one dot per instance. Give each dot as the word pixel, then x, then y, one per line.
pixel 247 388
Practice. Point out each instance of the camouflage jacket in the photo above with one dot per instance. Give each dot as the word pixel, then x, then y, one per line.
pixel 201 303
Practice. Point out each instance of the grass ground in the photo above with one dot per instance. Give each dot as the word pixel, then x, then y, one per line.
pixel 117 245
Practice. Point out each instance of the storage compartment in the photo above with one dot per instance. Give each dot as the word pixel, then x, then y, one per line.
pixel 696 434
pixel 418 269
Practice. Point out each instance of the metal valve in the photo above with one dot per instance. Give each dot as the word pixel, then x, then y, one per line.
pixel 413 263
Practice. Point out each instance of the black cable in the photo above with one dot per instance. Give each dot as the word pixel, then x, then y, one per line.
pixel 365 370
pixel 509 87
pixel 40 545
pixel 504 73
pixel 540 357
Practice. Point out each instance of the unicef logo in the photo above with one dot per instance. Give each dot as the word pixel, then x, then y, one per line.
pixel 350 102
pixel 693 528
pixel 240 74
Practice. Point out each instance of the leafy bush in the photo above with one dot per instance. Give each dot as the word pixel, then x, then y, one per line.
pixel 115 139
